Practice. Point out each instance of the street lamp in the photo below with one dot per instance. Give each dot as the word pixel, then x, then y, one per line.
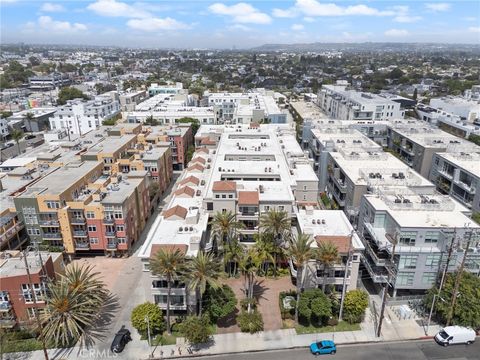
pixel 147 320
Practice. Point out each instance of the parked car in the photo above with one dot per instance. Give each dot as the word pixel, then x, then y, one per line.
pixel 122 337
pixel 323 347
pixel 451 335
pixel 28 137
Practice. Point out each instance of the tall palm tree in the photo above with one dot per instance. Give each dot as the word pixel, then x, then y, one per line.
pixel 17 135
pixel 232 255
pixel 74 302
pixel 276 223
pixel 29 117
pixel 249 264
pixel 300 251
pixel 168 264
pixel 265 249
pixel 328 255
pixel 202 270
pixel 225 224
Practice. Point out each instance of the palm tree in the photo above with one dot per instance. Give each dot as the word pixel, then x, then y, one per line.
pixel 202 270
pixel 300 252
pixel 265 250
pixel 29 117
pixel 276 223
pixel 170 265
pixel 224 224
pixel 232 255
pixel 249 264
pixel 327 255
pixel 73 305
pixel 17 135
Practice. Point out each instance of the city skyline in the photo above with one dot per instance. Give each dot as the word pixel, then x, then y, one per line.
pixel 210 24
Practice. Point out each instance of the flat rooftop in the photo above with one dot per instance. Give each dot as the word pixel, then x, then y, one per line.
pixel 15 265
pixel 344 138
pixel 469 162
pixel 119 192
pixel 110 144
pixel 308 110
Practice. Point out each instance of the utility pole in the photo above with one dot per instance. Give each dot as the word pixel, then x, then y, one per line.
pixel 147 320
pixel 444 273
pixel 390 278
pixel 344 290
pixel 37 318
pixel 457 281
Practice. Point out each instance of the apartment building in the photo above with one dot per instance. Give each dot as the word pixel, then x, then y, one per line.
pixel 339 103
pixel 129 100
pixel 467 110
pixel 16 295
pixel 332 226
pixel 419 229
pixel 48 82
pixel 171 115
pixel 416 143
pixel 176 88
pixel 81 116
pixel 458 174
pixel 39 121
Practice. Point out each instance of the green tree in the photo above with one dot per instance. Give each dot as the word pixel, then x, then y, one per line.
pixel 155 318
pixel 474 138
pixel 196 329
pixel 276 223
pixel 189 153
pixel 151 121
pixel 327 255
pixel 188 120
pixel 249 264
pixel 225 225
pixel 250 322
pixel 219 302
pixel 466 312
pixel 396 73
pixel 265 249
pixel 415 94
pixel 202 270
pixel 70 93
pixel 314 307
pixel 29 117
pixel 73 304
pixel 17 135
pixel 5 114
pixel 300 252
pixel 231 256
pixel 354 306
pixel 170 265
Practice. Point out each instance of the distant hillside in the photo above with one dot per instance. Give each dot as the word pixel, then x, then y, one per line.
pixel 387 47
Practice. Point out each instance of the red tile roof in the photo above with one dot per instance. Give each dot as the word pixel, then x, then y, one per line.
pixel 198 159
pixel 203 149
pixel 190 179
pixel 254 125
pixel 176 210
pixel 167 248
pixel 196 167
pixel 185 190
pixel 248 198
pixel 224 186
pixel 341 242
pixel 207 141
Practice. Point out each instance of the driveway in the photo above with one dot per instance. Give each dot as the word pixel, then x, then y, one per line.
pixel 266 291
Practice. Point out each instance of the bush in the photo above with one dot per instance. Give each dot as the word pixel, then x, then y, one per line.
pixel 314 307
pixel 355 304
pixel 250 322
pixel 287 313
pixel 196 329
pixel 219 302
pixel 245 302
pixel 155 318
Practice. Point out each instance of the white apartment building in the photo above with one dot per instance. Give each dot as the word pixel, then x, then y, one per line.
pixel 458 174
pixel 80 116
pixel 333 226
pixel 129 100
pixel 170 115
pixel 176 88
pixel 473 93
pixel 467 110
pixel 339 103
pixel 422 227
pixel 4 130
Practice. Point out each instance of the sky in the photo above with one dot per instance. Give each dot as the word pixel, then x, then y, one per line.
pixel 227 24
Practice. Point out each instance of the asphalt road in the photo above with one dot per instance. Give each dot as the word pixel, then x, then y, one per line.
pixel 413 350
pixel 13 150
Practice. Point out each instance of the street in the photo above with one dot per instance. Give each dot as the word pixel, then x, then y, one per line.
pixel 412 350
pixel 13 150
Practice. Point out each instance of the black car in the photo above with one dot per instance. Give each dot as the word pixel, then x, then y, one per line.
pixel 120 340
pixel 29 137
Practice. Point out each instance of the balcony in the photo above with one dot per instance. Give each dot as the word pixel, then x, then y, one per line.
pixel 78 221
pixel 470 189
pixel 110 233
pixel 52 236
pixel 49 223
pixel 82 245
pixel 108 221
pixel 5 306
pixel 341 184
pixel 379 236
pixel 378 274
pixel 112 245
pixel 7 323
pixel 80 233
pixel 378 258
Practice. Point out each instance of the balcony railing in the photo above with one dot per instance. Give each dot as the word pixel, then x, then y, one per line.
pixel 82 233
pixel 82 245
pixel 108 221
pixel 52 236
pixel 49 223
pixel 375 273
pixel 5 305
pixel 7 323
pixel 78 221
pixel 112 245
pixel 110 233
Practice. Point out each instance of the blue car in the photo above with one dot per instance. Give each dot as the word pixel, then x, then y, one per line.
pixel 323 347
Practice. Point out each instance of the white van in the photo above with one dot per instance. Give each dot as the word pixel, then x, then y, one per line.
pixel 455 335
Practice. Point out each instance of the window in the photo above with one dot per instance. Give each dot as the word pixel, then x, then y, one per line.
pixel 267 208
pixel 281 208
pixel 92 228
pixel 93 240
pixel 39 290
pixel 433 260
pixel 118 215
pixel 53 204
pixel 230 196
pixel 175 300
pixel 408 238
pixel 224 196
pixel 33 231
pixel 4 296
pixel 90 215
pixel 429 278
pixel 209 206
pixel 431 237
pixel 120 227
pixel 405 279
pixel 408 262
pixel 122 240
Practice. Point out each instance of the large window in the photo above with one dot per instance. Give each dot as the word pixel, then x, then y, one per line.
pixel 432 260
pixel 431 237
pixel 175 300
pixel 408 238
pixel 429 278
pixel 408 262
pixel 405 279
